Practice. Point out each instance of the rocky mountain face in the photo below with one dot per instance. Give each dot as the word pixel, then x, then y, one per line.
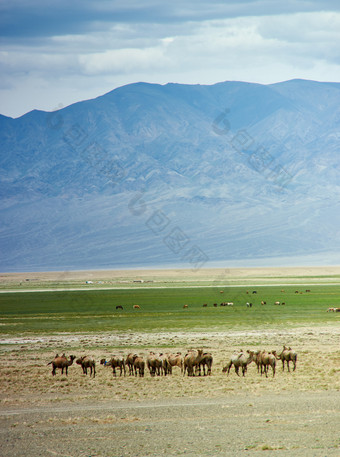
pixel 173 175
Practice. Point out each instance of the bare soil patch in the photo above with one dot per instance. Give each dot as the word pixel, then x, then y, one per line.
pixel 143 277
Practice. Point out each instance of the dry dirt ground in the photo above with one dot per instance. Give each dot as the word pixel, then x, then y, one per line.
pixel 292 414
pixel 121 278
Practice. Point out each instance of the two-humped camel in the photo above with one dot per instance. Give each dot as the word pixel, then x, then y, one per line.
pixel 175 360
pixel 86 363
pixel 61 362
pixel 157 364
pixel 192 360
pixel 115 362
pixel 240 360
pixel 264 360
pixel 287 355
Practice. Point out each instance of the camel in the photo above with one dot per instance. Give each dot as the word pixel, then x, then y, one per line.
pixel 287 355
pixel 155 364
pixel 115 362
pixel 239 360
pixel 207 361
pixel 86 363
pixel 129 362
pixel 139 365
pixel 61 363
pixel 192 360
pixel 265 359
pixel 175 360
pixel 165 364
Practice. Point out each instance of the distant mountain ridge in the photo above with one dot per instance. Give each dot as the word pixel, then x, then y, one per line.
pixel 173 175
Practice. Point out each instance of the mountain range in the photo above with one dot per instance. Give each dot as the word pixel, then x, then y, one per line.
pixel 173 175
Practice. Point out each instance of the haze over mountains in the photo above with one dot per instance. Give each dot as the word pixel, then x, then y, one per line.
pixel 150 175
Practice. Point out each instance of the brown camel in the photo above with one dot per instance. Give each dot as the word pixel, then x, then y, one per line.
pixel 242 359
pixel 139 365
pixel 86 363
pixel 175 360
pixel 115 362
pixel 192 360
pixel 129 362
pixel 61 363
pixel 207 361
pixel 265 360
pixel 154 363
pixel 287 355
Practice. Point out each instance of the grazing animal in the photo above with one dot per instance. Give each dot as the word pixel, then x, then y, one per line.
pixel 264 360
pixel 185 306
pixel 139 365
pixel 115 362
pixel 86 363
pixel 215 304
pixel 191 360
pixel 129 362
pixel 175 360
pixel 205 305
pixel 207 361
pixel 287 355
pixel 239 360
pixel 277 303
pixel 136 307
pixel 263 302
pixel 61 363
pixel 307 290
pixel 254 292
pixel 119 307
pixel 154 363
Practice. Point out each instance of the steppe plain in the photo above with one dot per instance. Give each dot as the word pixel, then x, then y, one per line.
pixel 292 414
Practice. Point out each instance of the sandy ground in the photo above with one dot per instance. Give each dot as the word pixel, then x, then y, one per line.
pixel 212 274
pixel 291 414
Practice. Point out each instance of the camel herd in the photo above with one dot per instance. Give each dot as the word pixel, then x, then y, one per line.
pixel 263 360
pixel 194 363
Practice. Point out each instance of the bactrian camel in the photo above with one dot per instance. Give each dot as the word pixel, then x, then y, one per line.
pixel 240 360
pixel 62 363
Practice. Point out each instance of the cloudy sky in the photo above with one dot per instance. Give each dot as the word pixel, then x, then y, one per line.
pixel 54 53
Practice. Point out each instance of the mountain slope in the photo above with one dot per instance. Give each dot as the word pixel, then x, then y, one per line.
pixel 175 174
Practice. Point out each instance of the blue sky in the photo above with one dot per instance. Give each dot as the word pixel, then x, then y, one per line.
pixel 54 53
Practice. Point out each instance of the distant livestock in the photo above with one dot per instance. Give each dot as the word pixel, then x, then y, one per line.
pixel 185 306
pixel 119 307
pixel 333 310
pixel 136 307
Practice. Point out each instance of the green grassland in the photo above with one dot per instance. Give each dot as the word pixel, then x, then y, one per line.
pixel 162 309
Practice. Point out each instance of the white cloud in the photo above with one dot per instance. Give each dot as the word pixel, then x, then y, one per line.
pixel 67 67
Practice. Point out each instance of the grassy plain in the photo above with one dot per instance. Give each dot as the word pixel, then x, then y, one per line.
pixel 162 309
pixel 292 413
